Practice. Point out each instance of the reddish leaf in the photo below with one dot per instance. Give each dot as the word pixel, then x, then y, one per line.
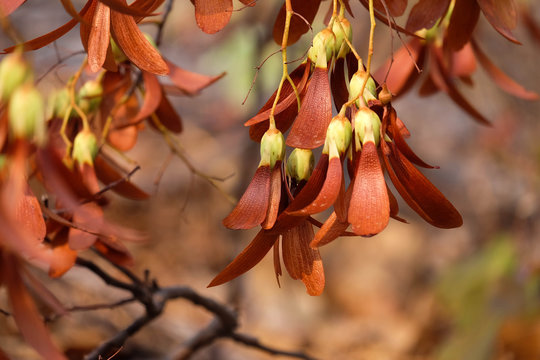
pixel 312 188
pixel 400 141
pixel 502 15
pixel 138 10
pixel 274 197
pixel 63 257
pixel 420 193
pixel 330 231
pixel 298 26
pixel 428 87
pixel 122 258
pixel 425 14
pixel 168 116
pixel 213 15
pixel 252 207
pixel 369 209
pixel 124 131
pixel 340 93
pixel 441 78
pixel 462 23
pixel 463 62
pixel 25 312
pixel 287 98
pixel 329 191
pixel 248 2
pixel 87 217
pixel 402 73
pixel 301 261
pixel 394 206
pixel 380 14
pixel 98 41
pixel 309 129
pixel 135 45
pixel 28 215
pixel 152 97
pixel 108 175
pixel 9 6
pixel 48 38
pixel 247 259
pixel 189 82
pixel 500 78
pixel 395 7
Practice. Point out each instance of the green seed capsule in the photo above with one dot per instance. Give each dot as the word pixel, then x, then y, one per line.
pixel 89 96
pixel 300 164
pixel 324 44
pixel 14 72
pixel 272 148
pixel 343 30
pixel 85 148
pixel 367 127
pixel 27 114
pixel 339 133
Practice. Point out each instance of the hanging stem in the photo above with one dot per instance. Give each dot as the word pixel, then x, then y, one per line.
pixel 288 15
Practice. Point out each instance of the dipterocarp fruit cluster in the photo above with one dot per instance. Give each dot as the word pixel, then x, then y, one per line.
pixel 366 137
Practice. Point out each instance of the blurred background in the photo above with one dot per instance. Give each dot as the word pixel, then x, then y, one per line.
pixel 411 292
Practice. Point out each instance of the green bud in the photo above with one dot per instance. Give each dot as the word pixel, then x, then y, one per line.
pixel 118 54
pixel 342 32
pixel 323 47
pixel 300 164
pixel 85 148
pixel 58 104
pixel 26 113
pixel 14 72
pixel 339 133
pixel 355 86
pixel 89 96
pixel 367 126
pixel 272 148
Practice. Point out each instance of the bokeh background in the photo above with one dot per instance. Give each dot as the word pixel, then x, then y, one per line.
pixel 411 292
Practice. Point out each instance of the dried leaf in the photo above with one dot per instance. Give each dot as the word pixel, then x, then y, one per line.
pixel 369 209
pixel 252 208
pixel 426 13
pixel 108 175
pixel 247 259
pixel 168 116
pixel 462 23
pixel 86 216
pixel 9 6
pixel 312 188
pixel 99 38
pixel 274 197
pixel 502 15
pixel 500 78
pixel 301 261
pixel 25 312
pixel 189 82
pixel 298 26
pixel 330 231
pixel 213 15
pixel 340 93
pixel 329 191
pixel 131 40
pixel 309 128
pixel 28 215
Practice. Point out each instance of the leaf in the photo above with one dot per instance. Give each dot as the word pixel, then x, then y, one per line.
pixel 139 9
pixel 500 78
pixel 28 215
pixel 463 62
pixel 134 44
pixel 124 131
pixel 338 84
pixel 108 175
pixel 25 312
pixel 298 26
pixel 213 15
pixel 330 231
pixel 87 216
pixel 63 257
pixel 462 23
pixel 287 96
pixel 99 38
pixel 312 188
pixel 274 197
pixel 189 82
pixel 502 15
pixel 419 192
pixel 9 6
pixel 426 13
pixel 328 192
pixel 301 261
pixel 369 209
pixel 395 7
pixel 152 97
pixel 309 128
pixel 48 38
pixel 402 72
pixel 247 259
pixel 252 208
pixel 168 116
